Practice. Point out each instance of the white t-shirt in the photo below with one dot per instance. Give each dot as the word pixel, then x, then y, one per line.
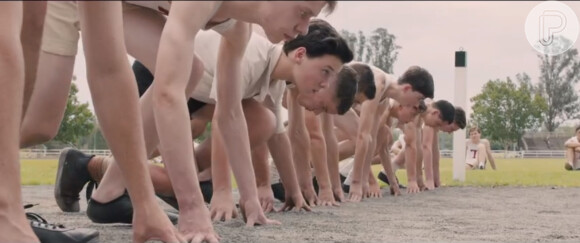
pixel 258 64
pixel 472 153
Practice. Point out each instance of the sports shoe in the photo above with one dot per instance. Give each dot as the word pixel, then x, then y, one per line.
pixel 58 233
pixel 383 177
pixel 71 176
pixel 120 210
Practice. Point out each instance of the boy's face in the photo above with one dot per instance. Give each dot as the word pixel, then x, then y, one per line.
pixel 284 20
pixel 321 101
pixel 313 74
pixel 410 97
pixel 474 135
pixel 432 118
pixel 407 113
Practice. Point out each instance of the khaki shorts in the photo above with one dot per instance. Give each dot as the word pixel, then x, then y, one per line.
pixel 61 32
pixel 61 28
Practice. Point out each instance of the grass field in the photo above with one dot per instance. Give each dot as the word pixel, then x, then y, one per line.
pixel 511 172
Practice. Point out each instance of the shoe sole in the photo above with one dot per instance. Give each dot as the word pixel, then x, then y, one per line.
pixel 61 161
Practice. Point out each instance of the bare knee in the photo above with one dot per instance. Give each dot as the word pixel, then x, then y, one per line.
pixel 31 135
pixel 261 122
pixel 481 147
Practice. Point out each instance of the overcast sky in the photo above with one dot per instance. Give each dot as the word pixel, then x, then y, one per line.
pixel 429 33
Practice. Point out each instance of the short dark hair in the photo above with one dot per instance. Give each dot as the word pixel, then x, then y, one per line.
pixel 366 80
pixel 446 110
pixel 460 117
pixel 322 39
pixel 346 89
pixel 420 80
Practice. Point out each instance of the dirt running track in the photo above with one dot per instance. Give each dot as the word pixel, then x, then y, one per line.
pixel 453 214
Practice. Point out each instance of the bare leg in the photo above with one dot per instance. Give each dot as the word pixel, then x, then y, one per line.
pixel 48 102
pixel 570 158
pixel 114 92
pixel 481 156
pixel 31 38
pixel 346 149
pixel 13 225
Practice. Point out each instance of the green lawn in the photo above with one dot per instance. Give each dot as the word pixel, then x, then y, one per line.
pixel 511 172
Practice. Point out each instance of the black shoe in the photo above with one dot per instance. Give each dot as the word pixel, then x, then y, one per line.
pixel 568 166
pixel 383 177
pixel 345 188
pixel 119 210
pixel 279 192
pixel 57 233
pixel 206 190
pixel 71 176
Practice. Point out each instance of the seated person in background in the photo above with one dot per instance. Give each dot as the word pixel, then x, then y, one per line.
pixel 478 151
pixel 573 151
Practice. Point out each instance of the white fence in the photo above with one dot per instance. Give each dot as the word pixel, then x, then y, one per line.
pixel 517 154
pixel 54 153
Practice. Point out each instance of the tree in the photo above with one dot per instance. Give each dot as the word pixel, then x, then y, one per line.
pixel 504 111
pixel 78 119
pixel 558 76
pixel 383 48
pixel 378 49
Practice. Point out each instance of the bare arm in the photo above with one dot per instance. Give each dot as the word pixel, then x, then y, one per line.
pixel 174 66
pixel 410 131
pixel 319 160
pixel 363 145
pixel 279 145
pixel 332 154
pixel 489 154
pixel 229 114
pixel 298 135
pixel 436 156
pixel 427 146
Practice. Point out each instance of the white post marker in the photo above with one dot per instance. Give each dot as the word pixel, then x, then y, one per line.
pixel 460 100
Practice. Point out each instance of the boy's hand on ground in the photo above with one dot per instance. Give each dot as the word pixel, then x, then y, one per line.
pixel 374 191
pixel 356 192
pixel 196 226
pixel 266 197
pixel 326 198
pixel 310 195
pixel 295 202
pixel 412 188
pixel 338 194
pixel 430 185
pixel 222 206
pixel 253 214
